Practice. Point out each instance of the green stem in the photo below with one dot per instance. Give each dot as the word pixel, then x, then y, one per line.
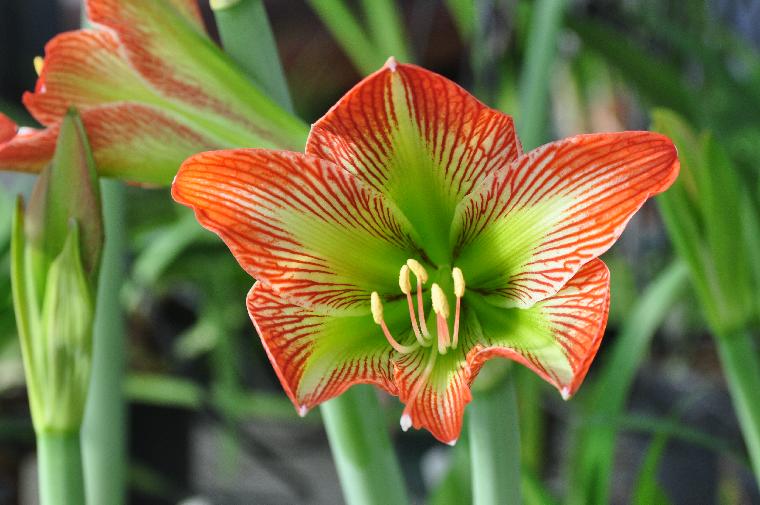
pixel 104 429
pixel 495 445
pixel 541 49
pixel 367 466
pixel 594 442
pixel 244 27
pixel 741 365
pixel 59 462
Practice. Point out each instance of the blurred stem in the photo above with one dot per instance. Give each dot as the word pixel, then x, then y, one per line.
pixel 594 443
pixel 741 365
pixel 494 433
pixel 244 28
pixel 545 26
pixel 364 457
pixel 387 27
pixel 104 431
pixel 349 34
pixel 59 461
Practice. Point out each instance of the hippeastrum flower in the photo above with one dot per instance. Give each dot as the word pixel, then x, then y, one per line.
pixel 152 89
pixel 414 241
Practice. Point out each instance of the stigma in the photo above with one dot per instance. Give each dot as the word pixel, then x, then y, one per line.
pixel 444 338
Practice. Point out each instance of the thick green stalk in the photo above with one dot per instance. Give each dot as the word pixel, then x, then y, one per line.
pixel 594 443
pixel 741 365
pixel 244 28
pixel 104 447
pixel 367 466
pixel 59 462
pixel 363 454
pixel 495 445
pixel 536 72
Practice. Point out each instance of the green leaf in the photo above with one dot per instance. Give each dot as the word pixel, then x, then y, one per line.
pixel 387 28
pixel 244 25
pixel 658 81
pixel 647 490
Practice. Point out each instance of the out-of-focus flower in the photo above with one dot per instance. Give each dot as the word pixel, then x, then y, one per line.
pixel 152 89
pixel 56 246
pixel 414 240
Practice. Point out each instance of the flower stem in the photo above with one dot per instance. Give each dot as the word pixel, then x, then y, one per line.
pixel 244 28
pixel 367 466
pixel 741 365
pixel 59 460
pixel 495 444
pixel 104 428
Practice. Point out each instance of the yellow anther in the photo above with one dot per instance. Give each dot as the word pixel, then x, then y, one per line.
pixel 39 62
pixel 458 282
pixel 418 269
pixel 440 303
pixel 377 307
pixel 403 280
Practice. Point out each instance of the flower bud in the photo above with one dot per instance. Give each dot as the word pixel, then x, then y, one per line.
pixel 55 254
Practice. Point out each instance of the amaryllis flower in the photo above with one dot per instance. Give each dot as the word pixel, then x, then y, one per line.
pixel 414 241
pixel 151 88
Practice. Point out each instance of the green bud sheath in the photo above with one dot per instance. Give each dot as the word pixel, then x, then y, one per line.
pixel 56 249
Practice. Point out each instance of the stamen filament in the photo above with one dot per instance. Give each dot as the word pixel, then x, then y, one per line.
pixel 443 334
pixel 458 277
pixel 421 309
pixel 406 288
pixel 377 314
pixel 455 338
pixel 423 342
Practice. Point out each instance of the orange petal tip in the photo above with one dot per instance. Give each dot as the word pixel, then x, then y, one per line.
pixel 303 410
pixel 453 442
pixel 391 64
pixel 565 392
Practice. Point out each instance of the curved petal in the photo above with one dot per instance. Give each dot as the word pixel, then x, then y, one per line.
pixel 8 128
pixel 418 138
pixel 134 142
pixel 556 338
pixel 27 150
pixel 528 229
pixel 84 68
pixel 179 60
pixel 310 230
pixel 436 399
pixel 318 356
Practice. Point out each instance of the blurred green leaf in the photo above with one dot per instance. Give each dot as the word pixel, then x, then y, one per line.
pixel 594 444
pixel 647 490
pixel 387 28
pixel 658 81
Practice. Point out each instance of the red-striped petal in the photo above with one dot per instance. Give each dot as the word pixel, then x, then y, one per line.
pixel 185 66
pixel 418 138
pixel 528 229
pixel 128 141
pixel 558 337
pixel 315 355
pixel 84 68
pixel 436 402
pixel 312 231
pixel 7 128
pixel 27 150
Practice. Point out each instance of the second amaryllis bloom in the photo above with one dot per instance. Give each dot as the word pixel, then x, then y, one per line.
pixel 414 240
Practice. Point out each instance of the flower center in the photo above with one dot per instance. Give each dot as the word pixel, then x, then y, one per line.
pixel 444 339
